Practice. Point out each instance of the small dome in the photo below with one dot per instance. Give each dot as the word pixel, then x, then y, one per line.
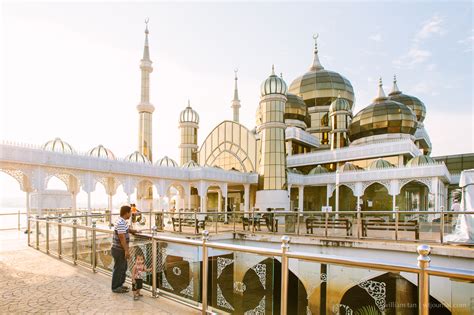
pixel 340 104
pixel 348 167
pixel 294 171
pixel 421 160
pixel 189 115
pixel 295 108
pixel 417 106
pixel 137 157
pixel 273 85
pixel 383 116
pixel 190 164
pixel 318 170
pixel 59 146
pixel 166 162
pixel 380 163
pixel 101 152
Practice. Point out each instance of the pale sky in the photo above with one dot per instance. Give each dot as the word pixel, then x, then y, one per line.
pixel 71 70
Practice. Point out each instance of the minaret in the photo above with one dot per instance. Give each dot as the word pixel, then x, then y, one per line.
pixel 145 111
pixel 145 108
pixel 236 102
pixel 188 125
pixel 272 191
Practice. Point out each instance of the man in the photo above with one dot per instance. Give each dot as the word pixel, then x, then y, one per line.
pixel 120 250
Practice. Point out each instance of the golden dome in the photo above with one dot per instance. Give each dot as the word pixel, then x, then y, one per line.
pixel 340 104
pixel 383 116
pixel 417 106
pixel 295 108
pixel 421 160
pixel 379 164
pixel 321 87
pixel 189 115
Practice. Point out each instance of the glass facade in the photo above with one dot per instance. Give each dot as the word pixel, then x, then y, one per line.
pixel 230 145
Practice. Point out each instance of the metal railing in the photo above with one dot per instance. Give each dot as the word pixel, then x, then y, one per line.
pixel 13 220
pixel 82 245
pixel 387 226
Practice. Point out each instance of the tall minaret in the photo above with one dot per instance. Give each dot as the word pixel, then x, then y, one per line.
pixel 145 111
pixel 272 189
pixel 145 108
pixel 236 102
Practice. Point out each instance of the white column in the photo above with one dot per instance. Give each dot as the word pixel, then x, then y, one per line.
pixel 27 208
pixel 358 204
pixel 246 198
pixel 219 201
pixel 89 209
pixel 394 204
pixel 225 208
pixel 74 204
pixel 110 206
pixel 300 198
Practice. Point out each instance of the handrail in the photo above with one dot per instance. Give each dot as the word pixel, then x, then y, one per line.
pixel 423 270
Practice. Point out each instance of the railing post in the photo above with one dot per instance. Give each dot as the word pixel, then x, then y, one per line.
pixel 298 221
pixel 423 279
pixel 19 227
pixel 74 241
pixel 60 237
pixel 441 228
pixel 326 218
pixel 28 230
pixel 47 235
pixel 205 237
pixel 94 250
pixel 154 253
pixel 397 218
pixel 285 245
pixel 37 231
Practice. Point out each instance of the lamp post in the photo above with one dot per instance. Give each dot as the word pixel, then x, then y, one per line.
pixel 337 194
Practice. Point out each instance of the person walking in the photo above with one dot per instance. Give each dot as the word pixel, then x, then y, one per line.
pixel 120 250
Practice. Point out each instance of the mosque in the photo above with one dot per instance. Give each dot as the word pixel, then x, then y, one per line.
pixel 308 149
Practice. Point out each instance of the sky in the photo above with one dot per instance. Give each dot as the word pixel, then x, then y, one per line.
pixel 71 69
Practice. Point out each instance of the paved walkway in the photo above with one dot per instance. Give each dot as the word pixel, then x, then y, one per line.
pixel 32 282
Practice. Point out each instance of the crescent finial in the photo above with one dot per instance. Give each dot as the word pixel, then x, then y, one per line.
pixel 315 36
pixel 147 20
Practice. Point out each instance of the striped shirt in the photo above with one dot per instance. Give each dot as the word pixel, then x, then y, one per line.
pixel 121 227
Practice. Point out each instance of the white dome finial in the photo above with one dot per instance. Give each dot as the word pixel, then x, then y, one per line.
pixel 381 93
pixel 316 65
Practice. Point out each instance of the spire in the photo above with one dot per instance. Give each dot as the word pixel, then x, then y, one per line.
pixel 273 69
pixel 236 102
pixel 146 51
pixel 236 90
pixel 316 65
pixel 395 89
pixel 189 103
pixel 381 93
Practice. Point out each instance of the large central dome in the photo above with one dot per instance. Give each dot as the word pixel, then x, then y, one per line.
pixel 321 87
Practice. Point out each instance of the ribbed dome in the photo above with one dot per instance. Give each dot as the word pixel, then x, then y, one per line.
pixel 273 85
pixel 340 104
pixel 321 87
pixel 101 152
pixel 421 160
pixel 417 106
pixel 379 164
pixel 295 108
pixel 348 167
pixel 383 116
pixel 58 145
pixel 137 157
pixel 189 115
pixel 318 170
pixel 294 171
pixel 190 164
pixel 166 162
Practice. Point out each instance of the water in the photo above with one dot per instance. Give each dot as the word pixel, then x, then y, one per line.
pixel 10 221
